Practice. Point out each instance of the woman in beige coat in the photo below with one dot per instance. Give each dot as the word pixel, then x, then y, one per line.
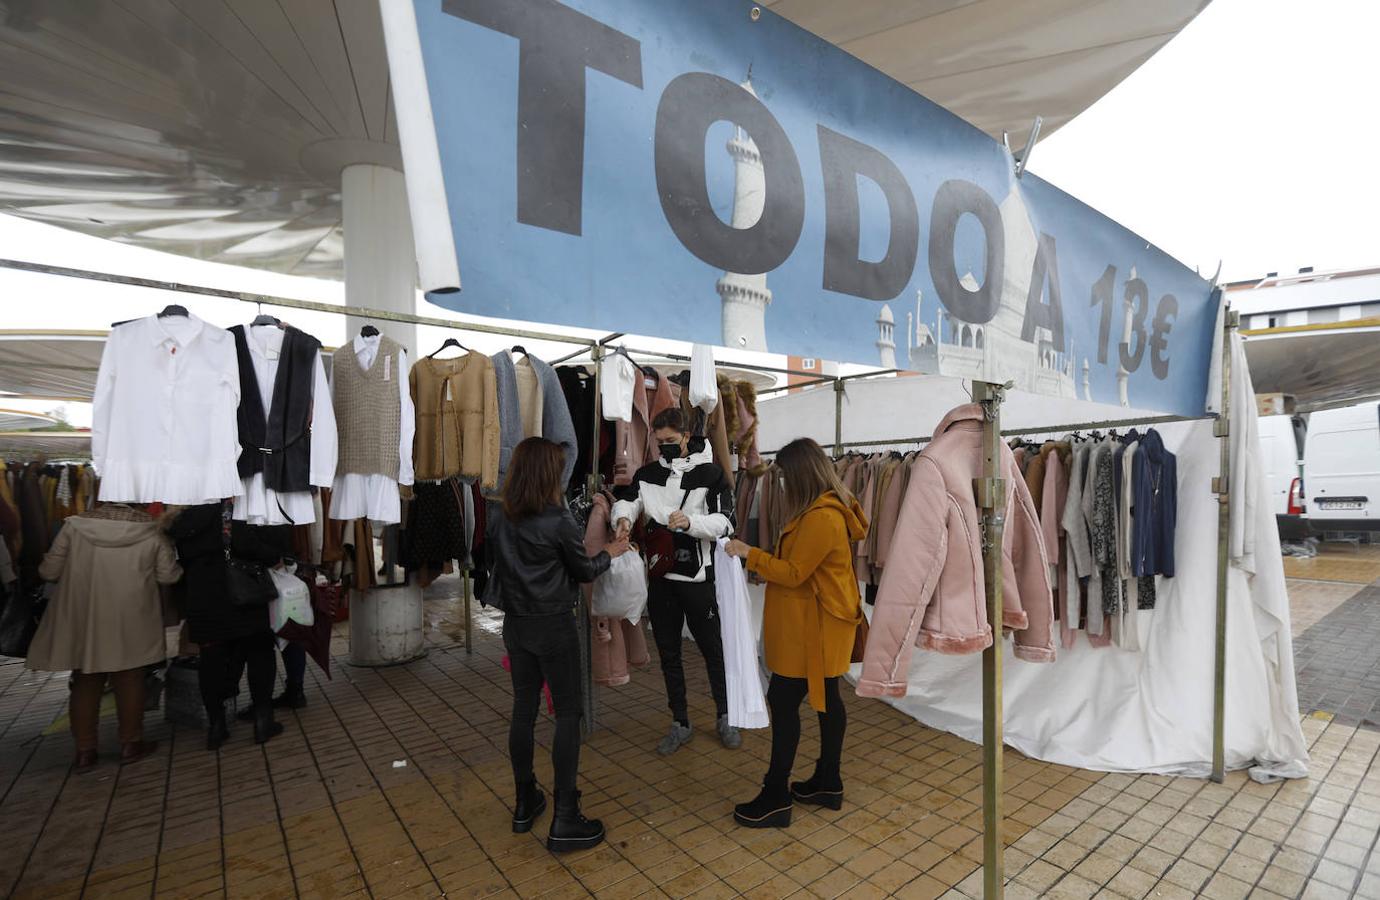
pixel 104 619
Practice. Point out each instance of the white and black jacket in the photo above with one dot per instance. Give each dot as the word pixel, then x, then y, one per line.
pixel 656 492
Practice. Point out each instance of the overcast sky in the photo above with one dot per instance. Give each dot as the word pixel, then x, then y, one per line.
pixel 1250 140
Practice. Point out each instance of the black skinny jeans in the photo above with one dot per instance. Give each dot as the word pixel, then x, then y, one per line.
pixel 672 605
pixel 784 696
pixel 544 648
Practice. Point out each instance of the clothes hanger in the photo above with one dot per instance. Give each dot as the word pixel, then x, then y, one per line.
pixel 264 318
pixel 449 342
pixel 173 309
pixel 518 348
pixel 368 331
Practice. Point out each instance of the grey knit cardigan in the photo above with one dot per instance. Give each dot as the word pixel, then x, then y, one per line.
pixel 556 424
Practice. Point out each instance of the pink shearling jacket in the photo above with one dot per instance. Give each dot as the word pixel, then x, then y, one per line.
pixel 617 646
pixel 932 589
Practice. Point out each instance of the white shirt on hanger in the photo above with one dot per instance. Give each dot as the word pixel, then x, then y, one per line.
pixel 261 505
pixel 376 497
pixel 747 704
pixel 617 378
pixel 164 418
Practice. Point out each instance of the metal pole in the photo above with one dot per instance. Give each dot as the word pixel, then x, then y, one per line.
pixel 1221 485
pixel 838 417
pixel 990 491
pixel 590 722
pixel 469 616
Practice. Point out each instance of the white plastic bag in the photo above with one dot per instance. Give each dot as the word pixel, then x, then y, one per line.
pixel 621 592
pixel 292 603
pixel 704 383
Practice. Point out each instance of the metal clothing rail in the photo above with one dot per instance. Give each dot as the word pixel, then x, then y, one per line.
pixel 361 312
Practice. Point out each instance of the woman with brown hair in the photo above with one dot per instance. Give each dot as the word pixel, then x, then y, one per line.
pixel 537 555
pixel 809 624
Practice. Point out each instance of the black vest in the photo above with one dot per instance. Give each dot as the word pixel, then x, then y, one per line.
pixel 280 447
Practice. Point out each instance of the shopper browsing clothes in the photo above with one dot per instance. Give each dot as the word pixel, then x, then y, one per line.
pixel 809 625
pixel 105 620
pixel 686 494
pixel 230 636
pixel 537 554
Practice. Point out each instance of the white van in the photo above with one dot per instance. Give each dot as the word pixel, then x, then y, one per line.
pixel 1342 469
pixel 1281 447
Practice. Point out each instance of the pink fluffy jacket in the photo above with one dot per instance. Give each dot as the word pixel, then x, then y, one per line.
pixel 932 592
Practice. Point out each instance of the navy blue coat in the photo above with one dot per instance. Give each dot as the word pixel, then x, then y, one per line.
pixel 1154 476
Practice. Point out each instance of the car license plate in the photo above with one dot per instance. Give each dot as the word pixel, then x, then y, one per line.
pixel 1341 504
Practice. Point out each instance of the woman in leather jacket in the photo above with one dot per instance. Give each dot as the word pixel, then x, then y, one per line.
pixel 537 557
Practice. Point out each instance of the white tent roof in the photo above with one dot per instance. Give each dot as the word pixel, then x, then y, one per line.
pixel 218 130
pixel 49 365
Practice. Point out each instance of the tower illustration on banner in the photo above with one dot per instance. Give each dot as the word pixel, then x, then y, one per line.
pixel 994 350
pixel 745 297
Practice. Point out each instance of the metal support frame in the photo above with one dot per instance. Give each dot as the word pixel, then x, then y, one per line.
pixel 469 611
pixel 582 612
pixel 990 492
pixel 1221 486
pixel 838 416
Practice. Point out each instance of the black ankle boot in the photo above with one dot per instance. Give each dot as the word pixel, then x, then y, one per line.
pixel 823 789
pixel 217 731
pixel 531 803
pixel 265 729
pixel 569 829
pixel 771 808
pixel 292 697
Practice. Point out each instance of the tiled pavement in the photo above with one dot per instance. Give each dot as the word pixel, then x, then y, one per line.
pixel 394 782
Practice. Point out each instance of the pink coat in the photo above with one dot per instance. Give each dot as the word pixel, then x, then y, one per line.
pixel 617 645
pixel 634 444
pixel 932 592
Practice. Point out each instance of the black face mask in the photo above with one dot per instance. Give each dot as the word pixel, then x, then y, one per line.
pixel 669 452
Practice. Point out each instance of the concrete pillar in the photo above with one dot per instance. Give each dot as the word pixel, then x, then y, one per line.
pixel 380 257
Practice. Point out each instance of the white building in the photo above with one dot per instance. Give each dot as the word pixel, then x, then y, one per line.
pixel 745 297
pixel 1307 298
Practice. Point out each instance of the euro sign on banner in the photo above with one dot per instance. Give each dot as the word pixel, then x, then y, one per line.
pixel 710 172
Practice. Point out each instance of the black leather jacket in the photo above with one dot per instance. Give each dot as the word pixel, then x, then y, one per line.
pixel 535 563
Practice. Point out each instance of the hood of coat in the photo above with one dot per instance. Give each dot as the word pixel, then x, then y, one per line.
pixel 853 516
pixel 960 415
pixel 1063 448
pixel 112 532
pixel 1152 446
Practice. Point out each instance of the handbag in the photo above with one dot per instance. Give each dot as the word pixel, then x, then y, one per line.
pixel 247 583
pixel 659 546
pixel 860 641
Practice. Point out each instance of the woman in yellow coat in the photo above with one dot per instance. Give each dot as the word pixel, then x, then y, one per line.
pixel 808 628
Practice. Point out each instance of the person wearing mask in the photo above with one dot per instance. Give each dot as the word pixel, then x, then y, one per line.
pixel 105 620
pixel 685 492
pixel 809 624
pixel 537 555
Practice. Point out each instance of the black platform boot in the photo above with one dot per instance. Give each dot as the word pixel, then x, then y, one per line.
pixel 531 803
pixel 771 808
pixel 569 829
pixel 823 789
pixel 265 729
pixel 217 730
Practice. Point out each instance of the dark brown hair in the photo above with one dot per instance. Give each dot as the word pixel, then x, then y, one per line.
pixel 534 478
pixel 807 472
pixel 670 418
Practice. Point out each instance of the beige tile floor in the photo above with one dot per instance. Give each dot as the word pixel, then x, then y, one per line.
pixel 328 811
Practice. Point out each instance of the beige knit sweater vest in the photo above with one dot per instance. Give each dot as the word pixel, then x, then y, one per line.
pixel 368 410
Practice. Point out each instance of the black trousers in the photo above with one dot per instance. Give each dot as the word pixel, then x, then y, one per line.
pixel 784 696
pixel 671 605
pixel 544 648
pixel 294 665
pixel 222 663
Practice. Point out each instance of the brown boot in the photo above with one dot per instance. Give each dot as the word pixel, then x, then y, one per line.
pixel 135 751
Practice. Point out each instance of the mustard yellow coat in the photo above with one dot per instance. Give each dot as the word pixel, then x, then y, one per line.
pixel 812 607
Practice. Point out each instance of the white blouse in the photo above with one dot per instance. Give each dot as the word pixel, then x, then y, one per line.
pixel 164 425
pixel 376 497
pixel 261 505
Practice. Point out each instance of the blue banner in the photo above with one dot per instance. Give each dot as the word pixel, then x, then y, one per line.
pixel 708 172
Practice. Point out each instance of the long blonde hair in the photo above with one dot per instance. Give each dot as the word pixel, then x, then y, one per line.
pixel 807 473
